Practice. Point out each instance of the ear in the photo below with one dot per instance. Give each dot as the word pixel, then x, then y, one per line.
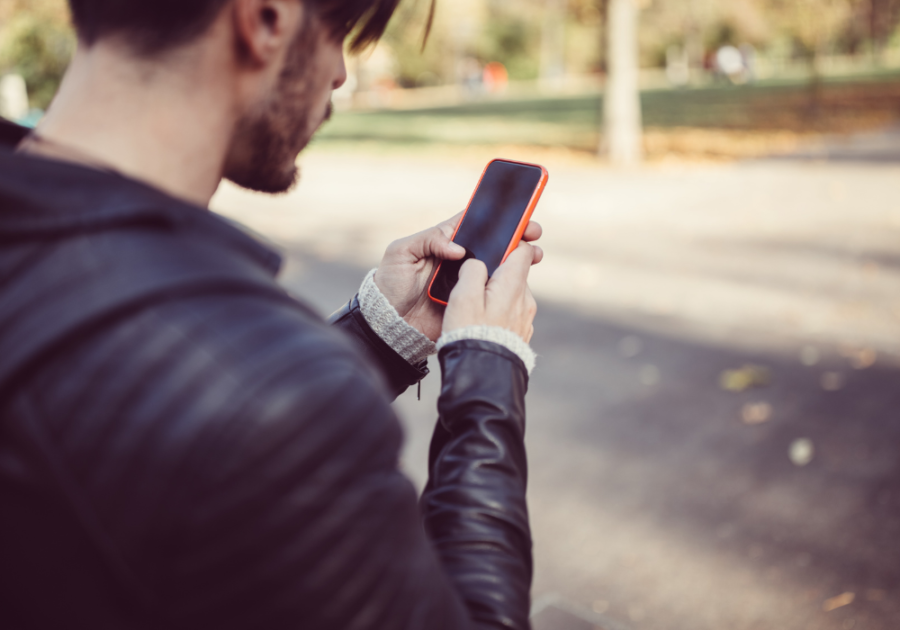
pixel 264 29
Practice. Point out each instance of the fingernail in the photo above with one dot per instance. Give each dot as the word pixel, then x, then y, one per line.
pixel 458 249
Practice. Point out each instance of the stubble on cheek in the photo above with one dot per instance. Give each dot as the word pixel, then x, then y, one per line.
pixel 270 140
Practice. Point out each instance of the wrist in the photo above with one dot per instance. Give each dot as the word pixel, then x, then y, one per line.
pixel 377 276
pixel 496 334
pixel 387 323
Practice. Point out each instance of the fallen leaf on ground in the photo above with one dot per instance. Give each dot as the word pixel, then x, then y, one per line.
pixel 838 601
pixel 756 413
pixel 744 377
pixel 630 346
pixel 863 359
pixel 801 451
pixel 809 355
pixel 832 381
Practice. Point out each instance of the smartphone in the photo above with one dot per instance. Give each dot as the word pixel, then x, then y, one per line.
pixel 493 223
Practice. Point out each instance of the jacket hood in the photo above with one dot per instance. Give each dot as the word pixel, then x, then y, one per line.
pixel 78 245
pixel 42 198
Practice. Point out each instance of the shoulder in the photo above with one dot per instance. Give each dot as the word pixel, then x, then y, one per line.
pixel 208 372
pixel 217 425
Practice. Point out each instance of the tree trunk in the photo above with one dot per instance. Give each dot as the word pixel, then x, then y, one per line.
pixel 553 43
pixel 621 101
pixel 815 85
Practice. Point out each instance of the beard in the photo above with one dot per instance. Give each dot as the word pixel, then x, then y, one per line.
pixel 272 138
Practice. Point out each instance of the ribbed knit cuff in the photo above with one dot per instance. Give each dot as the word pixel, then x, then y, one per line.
pixel 506 338
pixel 386 322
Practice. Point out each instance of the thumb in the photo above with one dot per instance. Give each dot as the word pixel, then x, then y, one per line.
pixel 473 277
pixel 436 243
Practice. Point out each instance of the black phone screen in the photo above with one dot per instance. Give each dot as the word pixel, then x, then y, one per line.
pixel 491 220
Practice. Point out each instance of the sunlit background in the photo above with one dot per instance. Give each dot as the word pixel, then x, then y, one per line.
pixel 714 423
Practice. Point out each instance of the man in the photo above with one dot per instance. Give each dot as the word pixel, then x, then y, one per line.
pixel 181 444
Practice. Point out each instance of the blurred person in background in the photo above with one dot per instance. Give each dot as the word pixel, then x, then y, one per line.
pixel 183 445
pixel 496 77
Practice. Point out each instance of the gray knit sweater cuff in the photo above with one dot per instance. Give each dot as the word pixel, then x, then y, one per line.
pixel 384 319
pixel 506 338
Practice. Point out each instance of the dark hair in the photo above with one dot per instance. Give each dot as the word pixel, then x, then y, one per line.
pixel 156 25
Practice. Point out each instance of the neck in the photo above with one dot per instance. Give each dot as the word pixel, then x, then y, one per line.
pixel 164 124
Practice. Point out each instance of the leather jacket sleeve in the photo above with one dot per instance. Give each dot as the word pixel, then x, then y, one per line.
pixel 398 373
pixel 474 503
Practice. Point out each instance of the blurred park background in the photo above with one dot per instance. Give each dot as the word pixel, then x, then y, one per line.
pixel 717 79
pixel 714 423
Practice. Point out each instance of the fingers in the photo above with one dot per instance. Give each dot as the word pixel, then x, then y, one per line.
pixel 509 302
pixel 467 299
pixel 515 269
pixel 431 242
pixel 533 231
pixel 440 235
pixel 439 244
pixel 449 226
pixel 505 300
pixel 472 278
pixel 530 302
pixel 436 242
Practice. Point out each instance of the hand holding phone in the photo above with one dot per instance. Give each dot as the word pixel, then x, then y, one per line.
pixel 494 221
pixel 504 300
pixel 407 269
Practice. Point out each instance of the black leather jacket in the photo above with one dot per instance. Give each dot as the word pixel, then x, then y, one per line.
pixel 182 445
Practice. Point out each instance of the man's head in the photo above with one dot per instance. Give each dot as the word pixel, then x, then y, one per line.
pixel 284 58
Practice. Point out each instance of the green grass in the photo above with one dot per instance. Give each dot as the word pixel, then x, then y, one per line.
pixel 574 122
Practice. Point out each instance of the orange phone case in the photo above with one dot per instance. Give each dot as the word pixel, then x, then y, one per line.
pixel 523 222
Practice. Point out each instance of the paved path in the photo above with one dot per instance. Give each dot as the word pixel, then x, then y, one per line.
pixel 659 499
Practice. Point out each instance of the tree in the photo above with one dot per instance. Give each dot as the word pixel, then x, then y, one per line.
pixel 553 41
pixel 622 141
pixel 874 22
pixel 36 41
pixel 814 25
pixel 696 26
